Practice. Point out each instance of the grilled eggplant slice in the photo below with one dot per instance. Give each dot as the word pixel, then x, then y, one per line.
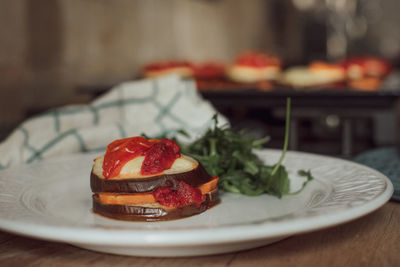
pixel 152 212
pixel 195 177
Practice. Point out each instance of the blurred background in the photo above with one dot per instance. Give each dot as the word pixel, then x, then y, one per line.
pixel 58 52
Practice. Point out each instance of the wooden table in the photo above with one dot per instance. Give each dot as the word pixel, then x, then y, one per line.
pixel 373 240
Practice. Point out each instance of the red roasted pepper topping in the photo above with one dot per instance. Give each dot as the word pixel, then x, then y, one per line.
pixel 159 155
pixel 184 195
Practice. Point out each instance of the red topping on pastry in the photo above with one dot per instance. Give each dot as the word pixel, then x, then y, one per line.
pixel 209 70
pixel 257 60
pixel 359 67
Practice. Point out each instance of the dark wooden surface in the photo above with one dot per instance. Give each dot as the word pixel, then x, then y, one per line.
pixel 373 240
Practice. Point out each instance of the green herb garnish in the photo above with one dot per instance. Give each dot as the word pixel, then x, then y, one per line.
pixel 229 155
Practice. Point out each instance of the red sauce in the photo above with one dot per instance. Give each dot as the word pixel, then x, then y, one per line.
pixel 159 155
pixel 184 195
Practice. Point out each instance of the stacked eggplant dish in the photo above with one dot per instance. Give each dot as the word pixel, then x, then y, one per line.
pixel 140 179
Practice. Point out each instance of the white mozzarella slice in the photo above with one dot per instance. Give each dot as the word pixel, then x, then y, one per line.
pixel 132 168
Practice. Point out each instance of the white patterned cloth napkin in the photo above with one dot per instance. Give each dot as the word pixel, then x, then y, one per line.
pixel 151 106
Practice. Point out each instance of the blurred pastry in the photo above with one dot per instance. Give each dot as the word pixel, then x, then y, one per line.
pixel 366 66
pixel 317 74
pixel 366 73
pixel 252 67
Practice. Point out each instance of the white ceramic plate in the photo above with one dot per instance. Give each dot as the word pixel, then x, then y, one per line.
pixel 51 200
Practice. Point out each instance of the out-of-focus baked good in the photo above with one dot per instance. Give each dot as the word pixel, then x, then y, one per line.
pixel 253 67
pixel 317 74
pixel 366 66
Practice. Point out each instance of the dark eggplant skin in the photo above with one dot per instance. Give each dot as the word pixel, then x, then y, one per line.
pixel 149 214
pixel 195 177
